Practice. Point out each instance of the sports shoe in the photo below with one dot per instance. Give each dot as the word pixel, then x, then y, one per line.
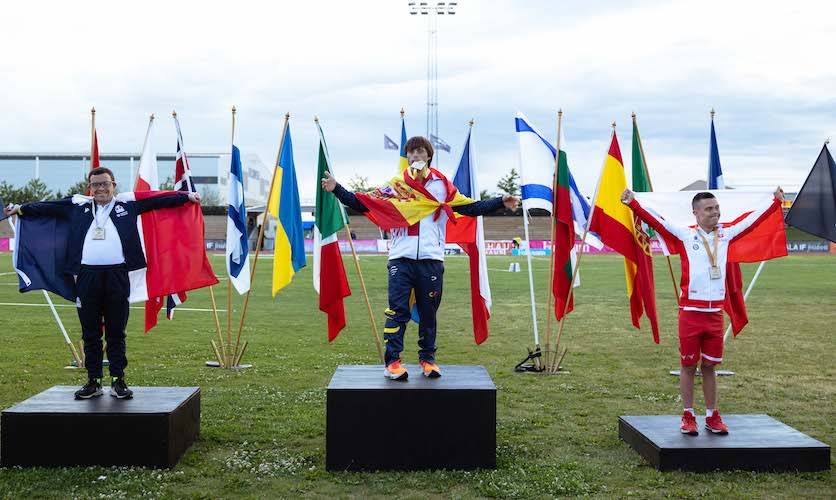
pixel 92 389
pixel 689 424
pixel 715 424
pixel 431 370
pixel 395 371
pixel 119 389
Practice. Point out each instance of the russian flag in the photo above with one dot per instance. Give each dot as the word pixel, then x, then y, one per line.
pixel 469 233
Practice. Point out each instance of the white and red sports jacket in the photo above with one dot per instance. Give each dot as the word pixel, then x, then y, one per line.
pixel 698 291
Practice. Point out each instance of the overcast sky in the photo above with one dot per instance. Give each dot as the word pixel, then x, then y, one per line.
pixel 766 67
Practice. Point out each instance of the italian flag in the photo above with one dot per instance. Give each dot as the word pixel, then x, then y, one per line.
pixel 564 239
pixel 329 278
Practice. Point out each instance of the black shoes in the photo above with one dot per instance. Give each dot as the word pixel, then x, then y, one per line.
pixel 92 389
pixel 119 389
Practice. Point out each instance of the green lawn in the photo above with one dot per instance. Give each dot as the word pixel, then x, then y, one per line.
pixel 263 429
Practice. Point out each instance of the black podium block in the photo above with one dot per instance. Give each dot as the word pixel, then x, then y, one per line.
pixel 51 429
pixel 378 424
pixel 754 443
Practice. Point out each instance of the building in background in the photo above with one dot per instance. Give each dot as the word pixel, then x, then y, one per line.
pixel 59 171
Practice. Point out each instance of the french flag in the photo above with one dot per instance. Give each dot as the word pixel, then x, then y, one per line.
pixel 469 233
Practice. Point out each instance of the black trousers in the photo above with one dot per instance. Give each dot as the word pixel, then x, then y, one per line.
pixel 426 277
pixel 103 293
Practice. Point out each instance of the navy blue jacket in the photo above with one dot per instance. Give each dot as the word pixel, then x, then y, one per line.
pixel 124 218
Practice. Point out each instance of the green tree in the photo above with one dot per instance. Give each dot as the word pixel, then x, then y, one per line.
pixel 360 184
pixel 510 184
pixel 484 194
pixel 79 187
pixel 167 185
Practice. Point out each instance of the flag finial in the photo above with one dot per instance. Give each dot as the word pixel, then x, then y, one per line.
pixel 712 113
pixel 402 112
pixel 174 113
pixel 633 115
pixel 287 115
pixel 560 112
pixel 613 125
pixel 827 141
pixel 234 110
pixel 471 122
pixel 151 118
pixel 93 110
pixel 316 119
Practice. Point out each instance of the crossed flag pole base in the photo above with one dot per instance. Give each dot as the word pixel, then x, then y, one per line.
pixel 536 362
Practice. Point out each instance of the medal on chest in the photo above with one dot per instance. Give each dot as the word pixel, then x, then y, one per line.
pixel 713 269
pixel 98 233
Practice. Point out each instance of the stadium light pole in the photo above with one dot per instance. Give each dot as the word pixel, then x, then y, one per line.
pixel 432 10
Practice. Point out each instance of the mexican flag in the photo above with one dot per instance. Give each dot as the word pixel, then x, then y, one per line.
pixel 564 239
pixel 329 278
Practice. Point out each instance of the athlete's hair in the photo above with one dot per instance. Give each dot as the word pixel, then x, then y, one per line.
pixel 420 142
pixel 701 196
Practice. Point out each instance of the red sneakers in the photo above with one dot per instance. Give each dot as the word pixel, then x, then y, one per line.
pixel 395 371
pixel 715 424
pixel 689 424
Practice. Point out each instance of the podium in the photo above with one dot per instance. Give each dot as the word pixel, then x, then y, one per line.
pixel 53 429
pixel 374 423
pixel 754 443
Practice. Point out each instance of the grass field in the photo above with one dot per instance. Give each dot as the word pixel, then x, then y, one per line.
pixel 263 429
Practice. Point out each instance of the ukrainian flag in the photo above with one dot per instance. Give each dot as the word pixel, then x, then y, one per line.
pixel 289 253
pixel 403 162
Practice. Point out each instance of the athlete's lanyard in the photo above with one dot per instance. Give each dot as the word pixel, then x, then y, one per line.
pixel 714 270
pixel 99 230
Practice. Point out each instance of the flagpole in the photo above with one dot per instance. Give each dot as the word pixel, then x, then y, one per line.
pixel 260 238
pixel 550 291
pixel 650 185
pixel 531 280
pixel 92 131
pixel 553 368
pixel 727 335
pixel 229 278
pixel 375 331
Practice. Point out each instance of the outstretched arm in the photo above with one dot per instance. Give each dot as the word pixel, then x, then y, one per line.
pixel 166 201
pixel 58 208
pixel 478 208
pixel 755 218
pixel 663 227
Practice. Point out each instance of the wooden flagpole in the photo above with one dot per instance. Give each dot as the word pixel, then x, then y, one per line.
pixel 219 353
pixel 375 331
pixel 552 218
pixel 260 240
pixel 650 184
pixel 555 366
pixel 230 357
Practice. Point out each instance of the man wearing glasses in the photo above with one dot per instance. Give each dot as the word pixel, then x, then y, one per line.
pixel 104 247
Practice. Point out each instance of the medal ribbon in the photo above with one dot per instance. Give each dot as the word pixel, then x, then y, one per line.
pixel 105 209
pixel 711 256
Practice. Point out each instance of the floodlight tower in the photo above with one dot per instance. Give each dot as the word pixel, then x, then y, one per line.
pixel 432 10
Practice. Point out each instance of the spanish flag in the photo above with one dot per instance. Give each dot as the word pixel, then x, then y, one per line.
pixel 404 201
pixel 617 228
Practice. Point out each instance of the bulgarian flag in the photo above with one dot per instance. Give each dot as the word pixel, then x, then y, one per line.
pixel 564 240
pixel 615 224
pixel 329 278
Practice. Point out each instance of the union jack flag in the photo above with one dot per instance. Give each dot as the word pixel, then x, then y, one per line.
pixel 182 182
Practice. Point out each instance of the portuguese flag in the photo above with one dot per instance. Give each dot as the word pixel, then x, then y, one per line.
pixel 329 278
pixel 564 240
pixel 615 224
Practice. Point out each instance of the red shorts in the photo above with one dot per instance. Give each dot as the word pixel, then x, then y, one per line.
pixel 700 336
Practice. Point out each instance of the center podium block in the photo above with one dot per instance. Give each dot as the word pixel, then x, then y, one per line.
pixel 51 429
pixel 374 423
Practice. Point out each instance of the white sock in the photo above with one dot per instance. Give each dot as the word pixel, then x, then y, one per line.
pixel 691 411
pixel 709 412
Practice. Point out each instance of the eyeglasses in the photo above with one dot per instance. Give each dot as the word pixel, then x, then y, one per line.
pixel 97 185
